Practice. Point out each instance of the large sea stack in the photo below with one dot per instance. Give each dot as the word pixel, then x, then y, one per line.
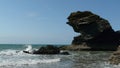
pixel 95 32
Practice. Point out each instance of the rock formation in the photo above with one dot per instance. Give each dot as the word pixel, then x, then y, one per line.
pixel 49 49
pixel 96 33
pixel 115 57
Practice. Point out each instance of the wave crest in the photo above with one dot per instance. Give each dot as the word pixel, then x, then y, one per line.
pixel 10 57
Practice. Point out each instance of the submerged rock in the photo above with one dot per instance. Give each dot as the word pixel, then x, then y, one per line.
pixel 96 33
pixel 27 52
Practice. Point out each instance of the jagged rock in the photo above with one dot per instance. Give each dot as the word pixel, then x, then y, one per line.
pixel 95 32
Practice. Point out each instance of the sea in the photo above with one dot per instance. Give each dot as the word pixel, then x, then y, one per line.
pixel 12 56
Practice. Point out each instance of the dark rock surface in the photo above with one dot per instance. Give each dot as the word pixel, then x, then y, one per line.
pixel 96 33
pixel 49 49
pixel 64 53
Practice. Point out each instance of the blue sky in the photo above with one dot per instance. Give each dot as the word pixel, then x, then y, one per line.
pixel 44 21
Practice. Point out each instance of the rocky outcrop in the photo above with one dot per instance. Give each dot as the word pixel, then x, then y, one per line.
pixel 96 33
pixel 115 57
pixel 49 49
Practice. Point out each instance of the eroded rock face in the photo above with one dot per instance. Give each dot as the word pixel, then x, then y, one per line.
pixel 84 21
pixel 95 32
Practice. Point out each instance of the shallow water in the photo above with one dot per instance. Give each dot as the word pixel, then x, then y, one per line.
pixel 13 57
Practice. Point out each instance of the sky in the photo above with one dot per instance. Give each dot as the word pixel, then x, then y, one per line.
pixel 44 21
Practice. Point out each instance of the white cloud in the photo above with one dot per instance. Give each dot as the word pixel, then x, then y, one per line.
pixel 32 14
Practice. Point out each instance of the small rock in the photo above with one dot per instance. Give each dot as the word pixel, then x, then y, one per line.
pixel 64 53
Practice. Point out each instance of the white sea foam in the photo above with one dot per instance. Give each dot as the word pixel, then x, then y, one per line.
pixel 9 52
pixel 106 65
pixel 29 48
pixel 10 57
pixel 13 52
pixel 19 62
pixel 16 52
pixel 17 58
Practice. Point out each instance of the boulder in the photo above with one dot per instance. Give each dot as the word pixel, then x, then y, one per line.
pixel 95 32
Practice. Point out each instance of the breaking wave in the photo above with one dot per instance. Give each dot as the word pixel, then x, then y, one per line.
pixel 18 62
pixel 10 57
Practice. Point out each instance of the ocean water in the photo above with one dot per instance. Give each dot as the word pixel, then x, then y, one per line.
pixel 12 56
